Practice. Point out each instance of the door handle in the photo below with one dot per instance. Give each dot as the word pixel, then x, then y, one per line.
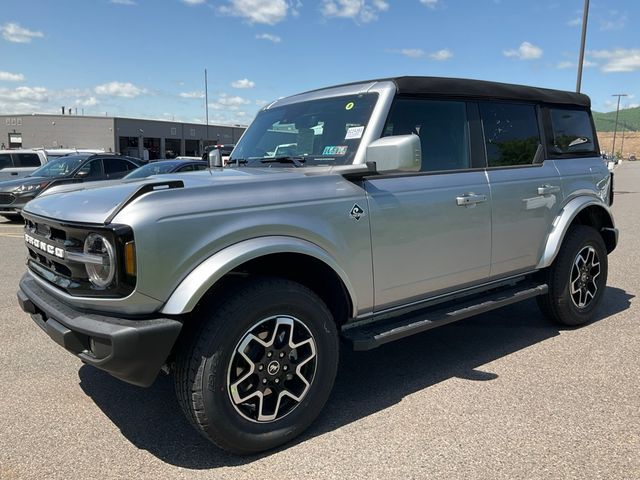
pixel 470 199
pixel 548 189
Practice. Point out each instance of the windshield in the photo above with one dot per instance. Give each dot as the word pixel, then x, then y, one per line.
pixel 317 132
pixel 152 169
pixel 59 167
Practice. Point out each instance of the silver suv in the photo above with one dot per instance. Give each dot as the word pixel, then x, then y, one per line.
pixel 365 212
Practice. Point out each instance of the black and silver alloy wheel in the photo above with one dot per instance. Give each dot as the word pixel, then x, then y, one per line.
pixel 584 275
pixel 272 369
pixel 577 278
pixel 257 364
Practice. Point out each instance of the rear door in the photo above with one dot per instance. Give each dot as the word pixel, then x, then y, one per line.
pixel 525 187
pixel 117 167
pixel 430 230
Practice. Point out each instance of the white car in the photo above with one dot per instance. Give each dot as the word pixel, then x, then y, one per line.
pixel 20 163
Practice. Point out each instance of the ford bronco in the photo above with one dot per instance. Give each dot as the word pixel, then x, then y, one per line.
pixel 364 212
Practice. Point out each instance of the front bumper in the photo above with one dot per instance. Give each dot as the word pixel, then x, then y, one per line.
pixel 131 350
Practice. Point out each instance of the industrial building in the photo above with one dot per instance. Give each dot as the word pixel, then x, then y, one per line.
pixel 148 139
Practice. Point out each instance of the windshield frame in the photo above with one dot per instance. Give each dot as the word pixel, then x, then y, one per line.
pixel 386 91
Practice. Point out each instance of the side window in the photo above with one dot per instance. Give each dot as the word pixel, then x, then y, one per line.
pixel 442 127
pixel 186 168
pixel 510 132
pixel 200 167
pixel 92 169
pixel 5 161
pixel 572 132
pixel 28 159
pixel 116 165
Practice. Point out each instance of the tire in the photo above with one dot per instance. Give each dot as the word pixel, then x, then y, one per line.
pixel 580 245
pixel 204 375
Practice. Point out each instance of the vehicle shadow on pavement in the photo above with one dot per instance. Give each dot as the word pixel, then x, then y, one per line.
pixel 367 382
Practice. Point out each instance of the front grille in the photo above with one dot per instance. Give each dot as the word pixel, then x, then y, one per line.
pixel 69 275
pixel 7 198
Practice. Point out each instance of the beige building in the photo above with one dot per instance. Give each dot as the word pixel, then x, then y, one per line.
pixel 131 136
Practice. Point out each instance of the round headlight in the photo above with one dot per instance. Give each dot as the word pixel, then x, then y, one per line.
pixel 100 274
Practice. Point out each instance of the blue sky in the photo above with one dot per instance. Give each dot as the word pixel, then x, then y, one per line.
pixel 146 57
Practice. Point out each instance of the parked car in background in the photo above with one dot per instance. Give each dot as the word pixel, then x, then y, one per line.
pixel 20 163
pixel 632 157
pixel 14 194
pixel 167 166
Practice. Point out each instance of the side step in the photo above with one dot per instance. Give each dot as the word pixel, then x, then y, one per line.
pixel 374 334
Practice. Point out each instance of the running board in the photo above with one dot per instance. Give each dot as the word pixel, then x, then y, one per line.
pixel 374 334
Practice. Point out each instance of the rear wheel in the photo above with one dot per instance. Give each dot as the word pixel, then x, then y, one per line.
pixel 577 278
pixel 260 368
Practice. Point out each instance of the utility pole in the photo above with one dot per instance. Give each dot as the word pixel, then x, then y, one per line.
pixel 585 17
pixel 206 102
pixel 615 128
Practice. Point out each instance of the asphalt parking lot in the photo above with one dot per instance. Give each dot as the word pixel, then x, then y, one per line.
pixel 505 395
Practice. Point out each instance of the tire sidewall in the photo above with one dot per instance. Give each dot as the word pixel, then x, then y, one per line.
pixel 224 421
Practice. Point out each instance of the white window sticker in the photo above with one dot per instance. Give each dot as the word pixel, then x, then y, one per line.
pixel 354 132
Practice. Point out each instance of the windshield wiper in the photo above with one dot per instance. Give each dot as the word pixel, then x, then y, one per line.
pixel 296 160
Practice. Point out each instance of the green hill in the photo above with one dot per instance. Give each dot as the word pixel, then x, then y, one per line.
pixel 629 118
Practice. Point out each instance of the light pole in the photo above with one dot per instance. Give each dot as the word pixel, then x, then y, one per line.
pixel 585 17
pixel 615 128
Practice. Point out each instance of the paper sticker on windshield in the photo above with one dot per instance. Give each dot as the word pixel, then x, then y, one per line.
pixel 335 150
pixel 349 106
pixel 354 132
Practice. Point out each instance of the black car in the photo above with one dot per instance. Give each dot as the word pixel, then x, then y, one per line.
pixel 167 166
pixel 14 194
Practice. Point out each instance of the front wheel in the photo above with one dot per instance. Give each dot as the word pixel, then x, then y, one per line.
pixel 577 278
pixel 260 368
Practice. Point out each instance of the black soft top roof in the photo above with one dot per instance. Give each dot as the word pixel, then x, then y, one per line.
pixel 484 89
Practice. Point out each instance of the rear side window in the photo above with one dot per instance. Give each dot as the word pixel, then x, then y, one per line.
pixel 5 161
pixel 511 133
pixel 28 159
pixel 442 127
pixel 117 165
pixel 572 131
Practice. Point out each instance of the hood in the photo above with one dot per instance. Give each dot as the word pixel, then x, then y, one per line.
pixel 96 202
pixel 10 185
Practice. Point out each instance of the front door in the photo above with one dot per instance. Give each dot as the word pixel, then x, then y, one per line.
pixel 430 230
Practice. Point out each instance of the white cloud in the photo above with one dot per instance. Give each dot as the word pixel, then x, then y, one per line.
pixel 575 22
pixel 194 94
pixel 123 2
pixel 364 11
pixel 11 77
pixel 261 103
pixel 120 89
pixel 269 37
pixel 243 83
pixel 411 52
pixel 87 102
pixel 526 51
pixel 13 32
pixel 618 60
pixel 441 55
pixel 615 21
pixel 25 94
pixel 430 3
pixel 229 102
pixel 194 2
pixel 569 64
pixel 267 12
